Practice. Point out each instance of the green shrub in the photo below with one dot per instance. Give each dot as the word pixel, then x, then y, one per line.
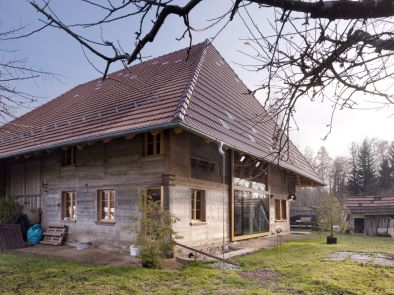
pixel 10 210
pixel 329 214
pixel 155 234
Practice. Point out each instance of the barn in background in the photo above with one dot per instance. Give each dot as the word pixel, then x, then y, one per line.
pixel 371 215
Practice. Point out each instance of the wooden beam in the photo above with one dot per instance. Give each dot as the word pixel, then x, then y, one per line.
pixel 298 179
pixel 91 142
pixel 207 140
pixel 107 140
pixel 178 130
pixel 155 132
pixel 49 151
pixel 80 146
pixel 130 136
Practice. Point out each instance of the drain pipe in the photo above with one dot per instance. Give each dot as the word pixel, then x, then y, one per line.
pixel 223 154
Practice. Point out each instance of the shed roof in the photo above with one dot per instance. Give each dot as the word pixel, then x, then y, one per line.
pixel 371 205
pixel 198 91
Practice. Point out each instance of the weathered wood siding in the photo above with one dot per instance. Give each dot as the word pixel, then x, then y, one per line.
pixel 120 165
pixel 185 148
pixel 23 181
pixel 280 185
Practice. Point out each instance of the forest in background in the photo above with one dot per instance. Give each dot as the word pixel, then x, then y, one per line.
pixel 368 170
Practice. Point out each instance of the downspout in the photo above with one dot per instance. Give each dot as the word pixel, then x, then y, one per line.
pixel 223 154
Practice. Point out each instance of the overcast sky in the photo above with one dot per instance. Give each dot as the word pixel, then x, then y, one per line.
pixel 54 51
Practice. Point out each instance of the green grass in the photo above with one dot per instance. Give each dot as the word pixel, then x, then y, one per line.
pixel 301 265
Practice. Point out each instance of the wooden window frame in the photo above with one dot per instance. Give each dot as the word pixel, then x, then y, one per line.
pixel 158 138
pixel 193 209
pixel 280 210
pixel 73 200
pixel 68 156
pixel 100 195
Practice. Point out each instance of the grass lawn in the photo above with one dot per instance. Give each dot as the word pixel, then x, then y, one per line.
pixel 301 268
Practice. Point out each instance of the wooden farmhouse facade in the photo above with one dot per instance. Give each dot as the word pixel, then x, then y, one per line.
pixel 180 128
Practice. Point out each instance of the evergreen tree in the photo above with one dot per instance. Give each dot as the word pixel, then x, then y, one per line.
pixel 385 178
pixel 366 169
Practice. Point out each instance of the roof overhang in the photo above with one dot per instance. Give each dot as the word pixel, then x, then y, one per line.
pixel 303 179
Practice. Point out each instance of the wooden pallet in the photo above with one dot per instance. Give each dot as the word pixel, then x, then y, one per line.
pixel 55 235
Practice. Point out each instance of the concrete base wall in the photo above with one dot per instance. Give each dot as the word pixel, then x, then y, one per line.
pixel 204 235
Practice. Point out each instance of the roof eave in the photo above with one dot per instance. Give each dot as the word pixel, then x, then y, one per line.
pixel 197 132
pixel 90 138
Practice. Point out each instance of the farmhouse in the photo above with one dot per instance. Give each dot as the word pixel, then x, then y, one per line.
pixel 371 215
pixel 181 128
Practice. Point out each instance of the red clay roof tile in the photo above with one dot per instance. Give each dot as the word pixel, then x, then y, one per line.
pixel 198 91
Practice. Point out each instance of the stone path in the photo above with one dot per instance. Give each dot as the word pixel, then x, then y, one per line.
pixel 372 258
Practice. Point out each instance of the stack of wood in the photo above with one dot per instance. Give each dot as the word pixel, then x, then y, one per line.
pixel 55 235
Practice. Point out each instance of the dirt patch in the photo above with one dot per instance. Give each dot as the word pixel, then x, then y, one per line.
pixel 171 264
pixel 92 255
pixel 262 275
pixel 268 279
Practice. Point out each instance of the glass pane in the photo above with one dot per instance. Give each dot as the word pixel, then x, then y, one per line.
pixel 112 205
pixel 158 143
pixel 277 210
pixel 154 194
pixel 249 184
pixel 149 144
pixel 149 149
pixel 251 213
pixel 104 206
pixel 192 206
pixel 284 215
pixel 73 206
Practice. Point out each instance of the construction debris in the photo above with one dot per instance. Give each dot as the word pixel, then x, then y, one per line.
pixel 11 237
pixel 55 235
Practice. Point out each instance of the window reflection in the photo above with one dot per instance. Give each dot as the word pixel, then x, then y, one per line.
pixel 251 213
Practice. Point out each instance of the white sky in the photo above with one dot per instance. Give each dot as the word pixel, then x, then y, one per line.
pixel 52 50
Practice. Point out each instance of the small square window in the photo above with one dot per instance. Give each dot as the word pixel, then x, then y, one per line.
pixel 69 205
pixel 106 205
pixel 153 144
pixel 152 195
pixel 198 205
pixel 68 157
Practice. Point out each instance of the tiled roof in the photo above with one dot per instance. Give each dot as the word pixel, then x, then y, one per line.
pixel 198 91
pixel 370 205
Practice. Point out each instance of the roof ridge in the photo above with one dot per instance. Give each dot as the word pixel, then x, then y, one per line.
pixel 181 109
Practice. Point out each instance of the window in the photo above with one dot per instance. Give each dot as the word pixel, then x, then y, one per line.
pixel 198 205
pixel 68 156
pixel 251 213
pixel 69 205
pixel 106 205
pixel 280 210
pixel 153 143
pixel 152 195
